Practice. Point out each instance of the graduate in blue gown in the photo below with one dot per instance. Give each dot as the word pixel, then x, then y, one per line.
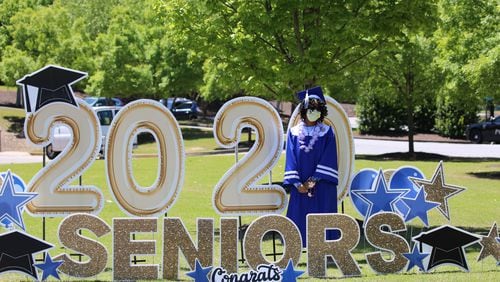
pixel 311 163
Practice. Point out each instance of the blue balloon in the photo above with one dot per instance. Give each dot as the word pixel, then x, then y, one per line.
pixel 400 180
pixel 362 181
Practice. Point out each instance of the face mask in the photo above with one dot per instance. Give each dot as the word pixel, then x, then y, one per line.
pixel 313 115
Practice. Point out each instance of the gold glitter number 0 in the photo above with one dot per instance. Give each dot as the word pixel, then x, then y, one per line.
pixel 337 118
pixel 236 192
pixel 152 117
pixel 55 196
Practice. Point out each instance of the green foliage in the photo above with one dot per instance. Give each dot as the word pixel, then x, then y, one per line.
pixel 274 48
pixel 412 49
pixel 455 110
pixel 401 79
pixel 468 46
pixel 379 112
pixel 123 45
pixel 15 65
pixel 425 114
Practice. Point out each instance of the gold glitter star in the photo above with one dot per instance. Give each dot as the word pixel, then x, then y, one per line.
pixel 489 245
pixel 437 190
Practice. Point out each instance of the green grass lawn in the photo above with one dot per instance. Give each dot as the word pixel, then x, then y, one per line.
pixel 10 118
pixel 475 209
pixel 195 141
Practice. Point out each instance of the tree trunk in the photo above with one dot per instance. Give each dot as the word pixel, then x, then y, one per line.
pixel 410 109
pixel 19 98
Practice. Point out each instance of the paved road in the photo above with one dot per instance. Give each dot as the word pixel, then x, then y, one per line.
pixel 462 150
pixel 19 157
pixel 362 147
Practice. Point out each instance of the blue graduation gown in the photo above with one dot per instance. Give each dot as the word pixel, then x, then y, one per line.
pixel 318 161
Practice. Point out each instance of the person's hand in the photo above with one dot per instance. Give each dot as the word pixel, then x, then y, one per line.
pixel 302 189
pixel 310 184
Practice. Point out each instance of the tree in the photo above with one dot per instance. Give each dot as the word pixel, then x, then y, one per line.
pixel 123 45
pixel 274 48
pixel 468 43
pixel 405 67
pixel 41 35
pixel 137 58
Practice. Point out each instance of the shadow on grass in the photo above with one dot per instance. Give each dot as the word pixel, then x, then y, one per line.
pixel 420 156
pixel 187 134
pixel 495 175
pixel 16 125
pixel 193 133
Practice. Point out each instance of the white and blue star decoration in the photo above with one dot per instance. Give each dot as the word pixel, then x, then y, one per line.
pixel 415 258
pixel 19 186
pixel 289 273
pixel 419 207
pixel 400 179
pixel 362 181
pixel 200 273
pixel 49 267
pixel 12 202
pixel 382 198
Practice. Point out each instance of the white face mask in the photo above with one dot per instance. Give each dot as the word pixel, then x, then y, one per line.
pixel 313 115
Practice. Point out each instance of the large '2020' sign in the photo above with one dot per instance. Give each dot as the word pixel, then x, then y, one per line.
pixel 235 193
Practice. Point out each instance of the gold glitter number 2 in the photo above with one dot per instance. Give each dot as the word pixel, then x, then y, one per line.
pixel 236 192
pixel 55 196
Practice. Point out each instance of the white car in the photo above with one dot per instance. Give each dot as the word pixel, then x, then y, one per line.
pixel 63 135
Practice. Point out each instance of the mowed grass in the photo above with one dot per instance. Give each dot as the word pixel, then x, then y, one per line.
pixel 195 141
pixel 11 116
pixel 476 209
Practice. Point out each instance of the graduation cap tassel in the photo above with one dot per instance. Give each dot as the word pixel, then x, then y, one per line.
pixel 306 100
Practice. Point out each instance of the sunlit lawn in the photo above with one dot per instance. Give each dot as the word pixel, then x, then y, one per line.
pixel 475 209
pixel 10 116
pixel 195 141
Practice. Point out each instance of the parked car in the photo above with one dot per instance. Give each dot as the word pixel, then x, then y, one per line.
pixel 103 101
pixel 488 131
pixel 62 134
pixel 182 108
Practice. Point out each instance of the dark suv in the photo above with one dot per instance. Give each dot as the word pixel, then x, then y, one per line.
pixel 182 108
pixel 488 131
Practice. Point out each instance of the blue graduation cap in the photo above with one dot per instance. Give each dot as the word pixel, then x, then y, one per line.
pixel 48 85
pixel 311 93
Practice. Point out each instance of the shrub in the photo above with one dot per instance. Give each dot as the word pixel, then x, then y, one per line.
pixel 379 113
pixel 454 112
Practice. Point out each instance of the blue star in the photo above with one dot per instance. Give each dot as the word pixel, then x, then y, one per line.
pixel 12 202
pixel 419 207
pixel 19 186
pixel 415 258
pixel 381 199
pixel 200 273
pixel 289 273
pixel 49 267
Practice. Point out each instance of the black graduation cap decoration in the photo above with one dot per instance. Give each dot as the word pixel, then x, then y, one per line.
pixel 48 85
pixel 446 246
pixel 17 250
